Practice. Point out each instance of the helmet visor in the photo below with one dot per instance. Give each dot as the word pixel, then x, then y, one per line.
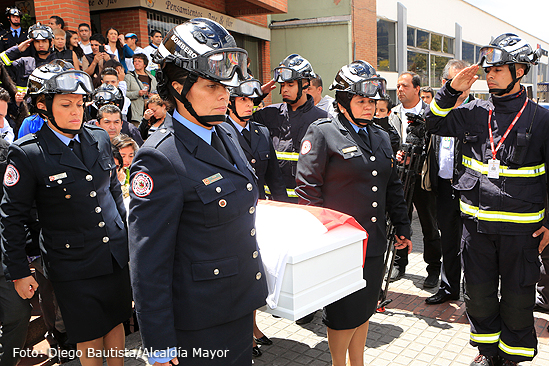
pixel 68 82
pixel 39 34
pixel 493 56
pixel 103 97
pixel 249 88
pixel 370 88
pixel 282 74
pixel 223 64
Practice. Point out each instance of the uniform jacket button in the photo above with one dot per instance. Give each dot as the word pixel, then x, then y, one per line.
pixel 222 203
pixel 68 196
pixel 251 210
pixel 101 224
pixel 374 219
pixel 216 271
pixel 374 188
pixel 258 276
pixel 372 158
pixel 249 186
pixel 98 210
pixel 67 245
pixel 374 173
pixel 252 232
pixel 374 204
pixel 252 161
pixel 218 189
pixel 89 177
pixel 93 194
pixel 106 239
pixel 59 181
pixel 255 254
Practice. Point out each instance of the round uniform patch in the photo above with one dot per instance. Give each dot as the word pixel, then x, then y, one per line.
pixel 306 147
pixel 11 177
pixel 142 184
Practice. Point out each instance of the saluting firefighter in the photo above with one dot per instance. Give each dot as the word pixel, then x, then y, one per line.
pixel 347 164
pixel 196 270
pixel 255 140
pixel 67 170
pixel 502 184
pixel 15 34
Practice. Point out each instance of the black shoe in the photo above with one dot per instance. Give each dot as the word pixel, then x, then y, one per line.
pixel 256 352
pixel 264 341
pixel 431 281
pixel 306 319
pixel 440 297
pixel 397 274
pixel 482 360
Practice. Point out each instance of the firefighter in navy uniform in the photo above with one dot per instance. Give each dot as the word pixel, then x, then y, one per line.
pixel 15 34
pixel 502 188
pixel 255 140
pixel 197 274
pixel 287 122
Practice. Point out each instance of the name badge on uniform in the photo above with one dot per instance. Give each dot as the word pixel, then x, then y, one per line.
pixel 349 149
pixel 446 142
pixel 57 176
pixel 493 168
pixel 211 179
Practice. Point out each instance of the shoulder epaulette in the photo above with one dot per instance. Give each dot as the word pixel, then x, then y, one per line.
pixel 158 137
pixel 321 121
pixel 27 139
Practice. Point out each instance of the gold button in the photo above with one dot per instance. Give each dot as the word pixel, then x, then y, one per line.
pixel 253 161
pixel 89 178
pixel 374 204
pixel 222 203
pixel 374 219
pixel 67 245
pixel 216 271
pixel 249 186
pixel 255 254
pixel 372 158
pixel 105 239
pixel 218 189
pixel 98 210
pixel 101 224
pixel 251 210
pixel 252 232
pixel 59 181
pixel 258 276
pixel 68 196
pixel 374 173
pixel 374 188
pixel 267 155
pixel 93 194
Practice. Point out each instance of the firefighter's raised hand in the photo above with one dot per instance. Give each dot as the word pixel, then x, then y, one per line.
pixel 544 232
pixel 465 79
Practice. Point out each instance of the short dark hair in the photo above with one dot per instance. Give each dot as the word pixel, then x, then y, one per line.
pixel 317 81
pixel 58 20
pixel 110 109
pixel 141 56
pixel 427 89
pixel 416 80
pixel 109 71
pixel 121 141
pixel 390 104
pixel 84 25
pixel 154 31
pixel 98 37
pixel 4 95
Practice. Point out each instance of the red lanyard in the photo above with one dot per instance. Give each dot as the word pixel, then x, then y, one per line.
pixel 506 132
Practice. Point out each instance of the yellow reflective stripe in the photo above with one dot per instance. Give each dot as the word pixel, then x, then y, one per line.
pixel 516 351
pixel 501 216
pixel 285 155
pixel 504 171
pixel 5 58
pixel 485 338
pixel 437 111
pixel 289 192
pixel 267 189
pixel 22 89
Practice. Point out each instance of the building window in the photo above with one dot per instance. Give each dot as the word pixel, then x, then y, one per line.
pixel 542 73
pixel 418 63
pixel 437 66
pixel 468 52
pixel 386 45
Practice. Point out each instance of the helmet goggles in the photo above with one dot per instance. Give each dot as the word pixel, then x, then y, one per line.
pixel 374 88
pixel 40 34
pixel 68 82
pixel 493 55
pixel 104 97
pixel 283 74
pixel 249 88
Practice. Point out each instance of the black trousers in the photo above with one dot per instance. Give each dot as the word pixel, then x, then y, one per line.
pixel 542 288
pixel 450 225
pixel 426 206
pixel 505 325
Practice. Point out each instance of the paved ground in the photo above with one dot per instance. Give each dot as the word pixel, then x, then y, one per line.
pixel 408 333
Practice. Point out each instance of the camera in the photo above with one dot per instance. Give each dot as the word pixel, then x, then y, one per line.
pixel 416 130
pixel 101 48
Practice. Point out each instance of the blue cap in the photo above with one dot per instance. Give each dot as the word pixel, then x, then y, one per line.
pixel 130 35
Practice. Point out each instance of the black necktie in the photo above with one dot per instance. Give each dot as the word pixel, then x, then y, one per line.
pixel 77 149
pixel 220 147
pixel 364 136
pixel 247 136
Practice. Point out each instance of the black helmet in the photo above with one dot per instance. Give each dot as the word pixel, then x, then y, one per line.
pixel 508 49
pixel 108 94
pixel 39 31
pixel 14 11
pixel 204 49
pixel 250 88
pixel 294 67
pixel 58 77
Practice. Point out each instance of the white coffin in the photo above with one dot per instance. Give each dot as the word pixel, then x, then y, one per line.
pixel 319 271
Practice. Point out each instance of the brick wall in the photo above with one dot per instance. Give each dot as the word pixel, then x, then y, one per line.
pixel 215 5
pixel 73 12
pixel 365 30
pixel 127 21
pixel 265 61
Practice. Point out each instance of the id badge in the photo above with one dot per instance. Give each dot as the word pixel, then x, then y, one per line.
pixel 446 142
pixel 493 168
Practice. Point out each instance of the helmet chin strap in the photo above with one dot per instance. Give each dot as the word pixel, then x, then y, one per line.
pixel 232 107
pixel 346 103
pixel 300 88
pixel 182 97
pixel 500 92
pixel 49 116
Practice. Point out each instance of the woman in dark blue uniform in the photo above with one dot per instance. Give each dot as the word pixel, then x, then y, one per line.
pixel 196 271
pixel 347 164
pixel 67 169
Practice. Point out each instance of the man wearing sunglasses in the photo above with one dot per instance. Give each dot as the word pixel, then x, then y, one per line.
pixel 503 191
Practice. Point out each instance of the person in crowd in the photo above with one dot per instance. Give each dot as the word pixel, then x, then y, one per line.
pixel 131 41
pixel 84 33
pixel 383 107
pixel 17 107
pixel 94 63
pixel 56 22
pixel 83 237
pixel 326 103
pixel 426 94
pixel 60 50
pixel 115 77
pixel 15 34
pixel 156 39
pixel 408 86
pixel 189 262
pixel 117 47
pixel 445 158
pixel 154 115
pixel 109 118
pixel 141 85
pixel 343 161
pixel 73 44
pixel 124 149
pixel 503 191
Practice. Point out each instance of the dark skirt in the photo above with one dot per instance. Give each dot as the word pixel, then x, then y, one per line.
pixel 222 345
pixel 355 309
pixel 92 307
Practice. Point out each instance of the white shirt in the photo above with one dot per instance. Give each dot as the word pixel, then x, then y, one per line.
pixel 327 104
pixel 149 50
pixel 86 48
pixel 129 61
pixel 7 132
pixel 404 119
